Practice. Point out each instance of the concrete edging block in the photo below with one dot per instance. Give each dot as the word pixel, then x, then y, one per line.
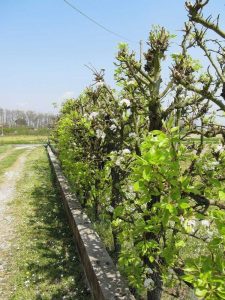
pixel 105 281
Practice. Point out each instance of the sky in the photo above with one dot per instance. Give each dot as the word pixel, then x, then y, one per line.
pixel 45 44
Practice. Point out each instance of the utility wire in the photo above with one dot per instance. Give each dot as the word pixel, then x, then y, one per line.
pixel 97 23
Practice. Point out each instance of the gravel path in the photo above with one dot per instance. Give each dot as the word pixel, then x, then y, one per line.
pixel 7 192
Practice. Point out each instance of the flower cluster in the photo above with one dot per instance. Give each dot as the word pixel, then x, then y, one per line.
pixel 125 102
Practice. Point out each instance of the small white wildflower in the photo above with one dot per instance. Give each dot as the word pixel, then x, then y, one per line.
pixel 125 151
pixel 132 134
pixel 26 283
pixel 113 127
pixel 100 134
pixel 205 223
pixel 93 115
pixel 125 102
pixel 148 283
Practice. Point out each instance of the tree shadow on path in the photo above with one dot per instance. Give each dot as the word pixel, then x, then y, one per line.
pixel 58 262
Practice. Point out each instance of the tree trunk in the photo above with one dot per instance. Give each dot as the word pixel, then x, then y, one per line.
pixel 116 198
pixel 157 292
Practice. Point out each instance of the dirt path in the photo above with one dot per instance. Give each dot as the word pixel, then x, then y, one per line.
pixel 7 192
pixel 12 149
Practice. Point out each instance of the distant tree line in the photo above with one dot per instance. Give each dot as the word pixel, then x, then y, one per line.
pixel 18 118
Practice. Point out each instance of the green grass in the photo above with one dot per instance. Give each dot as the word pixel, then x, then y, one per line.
pixel 8 161
pixel 45 262
pixel 23 139
pixel 4 148
pixel 25 130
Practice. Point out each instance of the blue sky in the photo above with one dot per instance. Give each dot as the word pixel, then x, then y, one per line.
pixel 45 44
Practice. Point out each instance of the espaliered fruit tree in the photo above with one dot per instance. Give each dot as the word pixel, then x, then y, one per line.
pixel 147 162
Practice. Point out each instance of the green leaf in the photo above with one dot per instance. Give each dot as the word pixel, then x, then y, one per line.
pixel 146 175
pixel 118 211
pixel 184 205
pixel 174 129
pixel 151 259
pixel 221 195
pixel 136 186
pixel 200 293
pixel 170 207
pixel 180 244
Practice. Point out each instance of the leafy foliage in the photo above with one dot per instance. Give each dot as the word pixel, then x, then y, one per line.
pixel 137 171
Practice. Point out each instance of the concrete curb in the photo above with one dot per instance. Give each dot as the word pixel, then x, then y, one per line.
pixel 105 281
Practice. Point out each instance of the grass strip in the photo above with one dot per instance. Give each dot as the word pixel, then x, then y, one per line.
pixel 23 139
pixel 45 262
pixel 8 161
pixel 4 148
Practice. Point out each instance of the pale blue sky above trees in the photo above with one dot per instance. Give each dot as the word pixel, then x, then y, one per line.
pixel 45 44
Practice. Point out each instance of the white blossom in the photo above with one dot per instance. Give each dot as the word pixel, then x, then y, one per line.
pixel 26 283
pixel 207 168
pixel 210 234
pixel 119 160
pixel 114 121
pixel 125 151
pixel 93 115
pixel 100 84
pixel 125 102
pixel 128 112
pixel 149 271
pixel 148 283
pixel 219 147
pixel 132 134
pixel 214 163
pixel 131 82
pixel 113 127
pixel 131 188
pixel 100 134
pixel 182 219
pixel 211 166
pixel 113 152
pixel 110 208
pixel 131 209
pixel 191 223
pixel 205 223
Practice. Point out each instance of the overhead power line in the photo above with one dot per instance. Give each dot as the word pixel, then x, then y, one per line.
pixel 97 23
